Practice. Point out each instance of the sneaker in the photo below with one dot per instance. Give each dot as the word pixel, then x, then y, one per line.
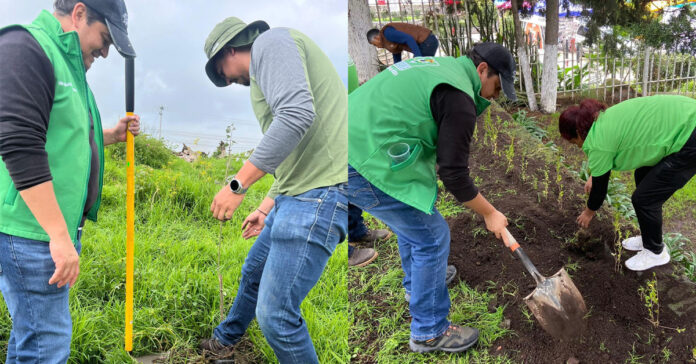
pixel 455 339
pixel 215 347
pixel 362 257
pixel 645 259
pixel 634 243
pixel 451 273
pixel 374 236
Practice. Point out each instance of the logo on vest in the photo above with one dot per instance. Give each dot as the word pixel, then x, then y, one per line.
pixel 67 84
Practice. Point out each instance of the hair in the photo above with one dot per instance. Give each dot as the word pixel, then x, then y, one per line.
pixel 577 120
pixel 65 8
pixel 477 59
pixel 371 34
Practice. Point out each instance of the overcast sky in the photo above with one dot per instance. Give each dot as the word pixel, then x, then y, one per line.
pixel 168 37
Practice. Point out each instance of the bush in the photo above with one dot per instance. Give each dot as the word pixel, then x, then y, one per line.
pixel 148 151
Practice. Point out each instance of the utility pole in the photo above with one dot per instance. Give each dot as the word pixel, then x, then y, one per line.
pixel 160 126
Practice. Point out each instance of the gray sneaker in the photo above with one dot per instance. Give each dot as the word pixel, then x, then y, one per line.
pixel 451 273
pixel 455 339
pixel 374 236
pixel 362 257
pixel 216 348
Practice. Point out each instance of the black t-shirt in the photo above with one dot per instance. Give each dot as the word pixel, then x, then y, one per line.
pixel 26 98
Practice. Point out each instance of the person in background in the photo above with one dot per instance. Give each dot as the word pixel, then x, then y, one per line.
pixel 399 37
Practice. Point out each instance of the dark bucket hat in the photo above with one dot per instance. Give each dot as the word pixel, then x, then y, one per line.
pixel 231 31
pixel 116 19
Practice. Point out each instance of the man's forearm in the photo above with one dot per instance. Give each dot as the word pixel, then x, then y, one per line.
pixel 249 174
pixel 41 200
pixel 266 205
pixel 480 205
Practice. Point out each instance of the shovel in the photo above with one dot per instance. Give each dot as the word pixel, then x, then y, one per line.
pixel 556 302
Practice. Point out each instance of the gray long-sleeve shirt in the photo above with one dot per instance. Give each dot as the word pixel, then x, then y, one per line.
pixel 301 105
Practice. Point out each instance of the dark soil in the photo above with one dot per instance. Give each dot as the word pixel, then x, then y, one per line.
pixel 617 325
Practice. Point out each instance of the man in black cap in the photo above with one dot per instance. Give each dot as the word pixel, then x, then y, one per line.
pixel 51 144
pixel 427 106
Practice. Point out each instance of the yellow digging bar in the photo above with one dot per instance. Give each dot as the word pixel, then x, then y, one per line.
pixel 130 205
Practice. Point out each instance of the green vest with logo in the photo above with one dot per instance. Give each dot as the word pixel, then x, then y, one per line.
pixel 394 107
pixel 67 137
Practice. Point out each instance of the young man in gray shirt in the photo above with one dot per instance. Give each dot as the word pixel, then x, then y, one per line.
pixel 301 105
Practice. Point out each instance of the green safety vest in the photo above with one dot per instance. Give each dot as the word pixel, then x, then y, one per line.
pixel 67 137
pixel 394 107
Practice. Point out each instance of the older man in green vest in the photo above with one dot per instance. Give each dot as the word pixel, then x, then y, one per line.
pixel 51 143
pixel 300 103
pixel 411 117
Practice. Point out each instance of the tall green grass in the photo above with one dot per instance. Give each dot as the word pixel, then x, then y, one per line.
pixel 176 299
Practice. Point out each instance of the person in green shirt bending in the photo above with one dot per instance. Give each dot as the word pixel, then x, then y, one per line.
pixel 656 137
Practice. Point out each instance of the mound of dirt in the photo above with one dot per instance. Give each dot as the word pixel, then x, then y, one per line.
pixel 618 327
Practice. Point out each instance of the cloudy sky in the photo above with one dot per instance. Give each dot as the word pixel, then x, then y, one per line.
pixel 168 37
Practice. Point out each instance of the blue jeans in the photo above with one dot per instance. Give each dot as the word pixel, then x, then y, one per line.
pixel 429 46
pixel 423 246
pixel 41 324
pixel 356 223
pixel 286 261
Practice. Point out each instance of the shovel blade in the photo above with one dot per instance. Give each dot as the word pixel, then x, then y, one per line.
pixel 558 306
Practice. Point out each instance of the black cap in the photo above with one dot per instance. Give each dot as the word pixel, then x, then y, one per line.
pixel 501 60
pixel 116 18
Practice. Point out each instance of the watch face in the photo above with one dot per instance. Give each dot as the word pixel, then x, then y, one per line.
pixel 234 185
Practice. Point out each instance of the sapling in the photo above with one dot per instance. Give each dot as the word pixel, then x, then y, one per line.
pixel 545 192
pixel 510 155
pixel 651 300
pixel 618 247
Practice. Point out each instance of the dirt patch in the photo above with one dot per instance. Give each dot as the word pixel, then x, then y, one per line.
pixel 542 213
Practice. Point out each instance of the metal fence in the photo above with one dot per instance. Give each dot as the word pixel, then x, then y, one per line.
pixel 582 71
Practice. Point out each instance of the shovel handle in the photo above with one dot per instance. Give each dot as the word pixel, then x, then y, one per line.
pixel 522 256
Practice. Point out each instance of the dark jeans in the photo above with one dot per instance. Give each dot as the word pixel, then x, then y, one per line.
pixel 356 226
pixel 429 46
pixel 656 184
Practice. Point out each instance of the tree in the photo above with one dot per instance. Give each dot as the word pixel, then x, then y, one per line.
pixel 549 77
pixel 363 53
pixel 522 57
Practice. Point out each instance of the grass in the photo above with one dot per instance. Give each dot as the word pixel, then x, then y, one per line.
pixel 381 322
pixel 176 286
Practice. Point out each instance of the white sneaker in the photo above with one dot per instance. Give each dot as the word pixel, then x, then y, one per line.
pixel 634 244
pixel 645 259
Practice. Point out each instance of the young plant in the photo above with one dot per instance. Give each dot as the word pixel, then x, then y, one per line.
pixel 618 247
pixel 545 192
pixel 651 300
pixel 510 155
pixel 523 171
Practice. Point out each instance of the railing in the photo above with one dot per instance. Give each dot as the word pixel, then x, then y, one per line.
pixel 582 71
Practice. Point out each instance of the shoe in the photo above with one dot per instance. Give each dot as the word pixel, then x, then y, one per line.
pixel 455 339
pixel 215 347
pixel 451 273
pixel 362 257
pixel 634 243
pixel 645 259
pixel 374 236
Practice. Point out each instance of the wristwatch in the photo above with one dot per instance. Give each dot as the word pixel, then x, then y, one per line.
pixel 236 187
